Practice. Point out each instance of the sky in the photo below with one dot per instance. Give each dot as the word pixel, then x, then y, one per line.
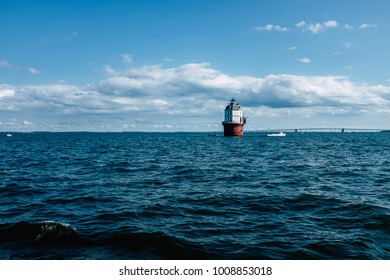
pixel 144 65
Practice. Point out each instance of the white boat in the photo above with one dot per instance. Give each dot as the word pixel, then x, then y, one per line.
pixel 8 134
pixel 280 134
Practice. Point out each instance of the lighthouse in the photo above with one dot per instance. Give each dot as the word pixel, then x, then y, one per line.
pixel 233 125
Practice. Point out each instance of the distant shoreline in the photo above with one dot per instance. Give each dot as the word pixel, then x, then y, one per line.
pixel 289 130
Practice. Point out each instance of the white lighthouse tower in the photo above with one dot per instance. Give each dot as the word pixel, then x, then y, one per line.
pixel 233 125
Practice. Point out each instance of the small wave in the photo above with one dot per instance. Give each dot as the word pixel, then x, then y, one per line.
pixel 358 248
pixel 305 201
pixel 150 245
pixel 52 240
pixel 80 199
pixel 43 233
pixel 18 189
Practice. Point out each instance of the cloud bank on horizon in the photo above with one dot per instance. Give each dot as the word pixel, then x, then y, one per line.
pixel 188 97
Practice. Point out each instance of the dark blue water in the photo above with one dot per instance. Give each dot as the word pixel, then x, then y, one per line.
pixel 194 196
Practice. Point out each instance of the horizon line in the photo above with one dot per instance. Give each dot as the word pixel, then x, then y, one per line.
pixel 304 129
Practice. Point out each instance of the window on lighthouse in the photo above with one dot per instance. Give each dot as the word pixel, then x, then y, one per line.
pixel 236 116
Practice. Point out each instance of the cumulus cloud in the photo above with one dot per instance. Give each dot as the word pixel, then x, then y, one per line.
pixel 109 70
pixel 292 48
pixel 5 64
pixel 367 25
pixel 347 45
pixel 330 23
pixel 6 91
pixel 126 58
pixel 347 26
pixel 186 94
pixel 271 27
pixel 33 71
pixel 300 24
pixel 315 28
pixel 304 60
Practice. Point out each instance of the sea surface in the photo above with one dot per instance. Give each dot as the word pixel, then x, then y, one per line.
pixel 194 196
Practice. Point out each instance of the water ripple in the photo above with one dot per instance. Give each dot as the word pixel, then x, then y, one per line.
pixel 190 196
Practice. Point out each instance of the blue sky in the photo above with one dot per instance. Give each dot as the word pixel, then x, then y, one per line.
pixel 173 65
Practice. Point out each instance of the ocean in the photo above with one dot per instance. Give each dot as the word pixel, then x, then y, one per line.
pixel 194 196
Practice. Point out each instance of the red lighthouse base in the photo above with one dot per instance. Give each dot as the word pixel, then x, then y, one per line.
pixel 233 129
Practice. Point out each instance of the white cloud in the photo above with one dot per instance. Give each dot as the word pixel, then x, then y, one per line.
pixel 304 60
pixel 33 71
pixel 6 91
pixel 347 26
pixel 126 58
pixel 347 45
pixel 366 26
pixel 271 27
pixel 330 23
pixel 151 97
pixel 109 70
pixel 63 38
pixel 315 28
pixel 5 64
pixel 292 48
pixel 300 24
